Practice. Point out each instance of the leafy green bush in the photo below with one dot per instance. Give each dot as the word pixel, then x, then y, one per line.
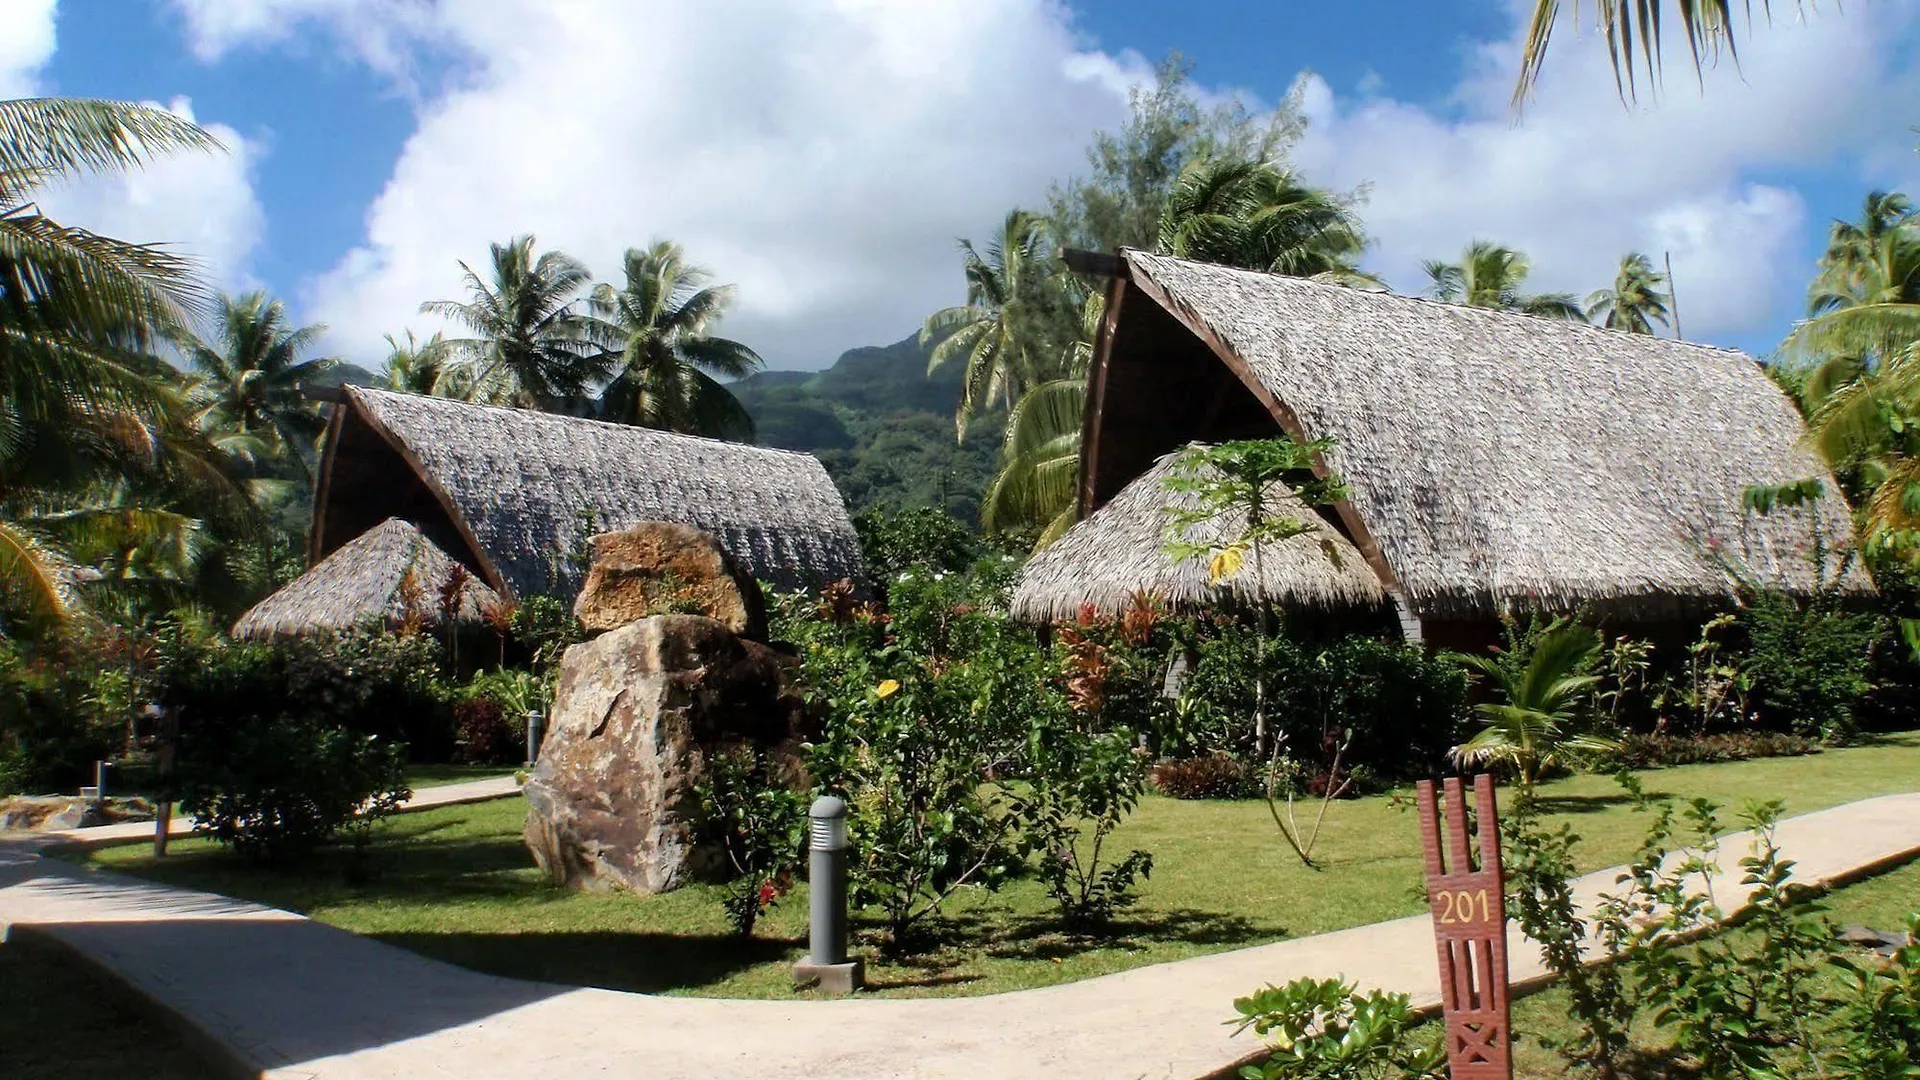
pixel 1662 751
pixel 1215 776
pixel 760 822
pixel 1808 661
pixel 1080 786
pixel 1403 707
pixel 1323 1030
pixel 52 726
pixel 277 786
pixel 924 538
pixel 482 735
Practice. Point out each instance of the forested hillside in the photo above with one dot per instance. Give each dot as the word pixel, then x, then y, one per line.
pixel 881 425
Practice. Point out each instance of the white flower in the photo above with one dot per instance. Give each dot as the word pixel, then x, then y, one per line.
pixel 939 577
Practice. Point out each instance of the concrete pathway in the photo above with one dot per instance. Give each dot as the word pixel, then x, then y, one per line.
pixel 426 798
pixel 293 998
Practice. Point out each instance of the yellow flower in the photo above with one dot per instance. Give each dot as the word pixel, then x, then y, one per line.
pixel 887 689
pixel 1225 563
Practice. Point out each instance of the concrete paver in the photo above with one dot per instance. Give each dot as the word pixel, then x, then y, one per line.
pixel 298 999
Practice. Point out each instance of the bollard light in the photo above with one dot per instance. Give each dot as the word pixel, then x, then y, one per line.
pixel 536 729
pixel 827 963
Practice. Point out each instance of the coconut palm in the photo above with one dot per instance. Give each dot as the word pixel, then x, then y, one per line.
pixel 1860 354
pixel 418 367
pixel 1003 333
pixel 79 403
pixel 1633 30
pixel 1259 217
pixel 530 346
pixel 1491 276
pixel 1531 729
pixel 249 376
pixel 1040 456
pixel 1637 301
pixel 655 333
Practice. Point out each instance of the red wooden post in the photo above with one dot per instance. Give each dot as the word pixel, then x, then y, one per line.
pixel 1469 929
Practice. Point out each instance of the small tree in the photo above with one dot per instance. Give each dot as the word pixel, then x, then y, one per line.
pixel 1545 689
pixel 1247 487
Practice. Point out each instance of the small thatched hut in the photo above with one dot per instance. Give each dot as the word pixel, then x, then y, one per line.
pixel 365 581
pixel 1496 461
pixel 1122 549
pixel 514 493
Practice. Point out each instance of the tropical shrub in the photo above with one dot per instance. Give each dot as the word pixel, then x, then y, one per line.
pixel 370 681
pixel 1215 776
pixel 1402 707
pixel 276 786
pixel 483 736
pixel 1546 685
pixel 1079 787
pixel 55 722
pixel 1324 1030
pixel 924 538
pixel 920 706
pixel 1808 661
pixel 760 822
pixel 1633 751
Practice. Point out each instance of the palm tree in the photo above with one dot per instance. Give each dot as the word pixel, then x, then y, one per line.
pixel 656 334
pixel 1531 729
pixel 1860 355
pixel 1490 276
pixel 1255 216
pixel 1001 333
pixel 1637 300
pixel 417 367
pixel 530 346
pixel 1707 26
pixel 78 403
pixel 1040 456
pixel 248 379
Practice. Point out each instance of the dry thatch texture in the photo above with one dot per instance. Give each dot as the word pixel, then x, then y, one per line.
pixel 361 582
pixel 1504 460
pixel 532 487
pixel 1122 547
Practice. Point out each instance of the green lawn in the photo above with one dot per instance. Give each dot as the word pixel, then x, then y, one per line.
pixel 456 883
pixel 426 776
pixel 57 1022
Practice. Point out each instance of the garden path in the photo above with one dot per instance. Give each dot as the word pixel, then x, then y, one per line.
pixel 274 993
pixel 425 798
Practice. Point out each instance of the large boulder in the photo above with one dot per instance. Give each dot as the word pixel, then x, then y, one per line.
pixel 638 714
pixel 659 567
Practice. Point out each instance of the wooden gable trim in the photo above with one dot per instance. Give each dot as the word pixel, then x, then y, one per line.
pixel 1281 412
pixel 1095 412
pixel 352 402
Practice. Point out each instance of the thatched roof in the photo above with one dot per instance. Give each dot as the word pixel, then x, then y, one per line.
pixel 1122 548
pixel 518 491
pixel 1495 459
pixel 361 582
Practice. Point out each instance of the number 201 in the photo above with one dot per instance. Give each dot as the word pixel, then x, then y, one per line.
pixel 1457 907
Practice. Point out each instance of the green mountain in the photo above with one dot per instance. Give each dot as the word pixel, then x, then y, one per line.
pixel 882 426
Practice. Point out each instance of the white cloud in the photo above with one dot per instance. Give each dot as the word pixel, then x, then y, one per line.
pixel 1580 180
pixel 821 156
pixel 199 204
pixel 26 46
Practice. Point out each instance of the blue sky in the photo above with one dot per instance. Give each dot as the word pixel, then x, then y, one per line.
pixel 824 156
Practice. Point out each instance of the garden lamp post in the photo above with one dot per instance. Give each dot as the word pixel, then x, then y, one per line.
pixel 536 728
pixel 827 963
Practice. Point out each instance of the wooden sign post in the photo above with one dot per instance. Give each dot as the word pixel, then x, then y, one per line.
pixel 1470 929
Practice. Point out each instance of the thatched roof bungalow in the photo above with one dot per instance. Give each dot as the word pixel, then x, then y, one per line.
pixel 1496 461
pixel 1121 549
pixel 362 582
pixel 512 492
